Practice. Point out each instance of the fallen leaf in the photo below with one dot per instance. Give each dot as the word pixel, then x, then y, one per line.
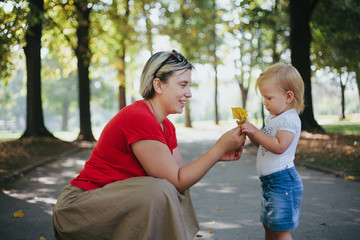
pixel 210 230
pixel 218 209
pixel 352 178
pixel 323 223
pixel 19 214
pixel 198 235
pixel 42 238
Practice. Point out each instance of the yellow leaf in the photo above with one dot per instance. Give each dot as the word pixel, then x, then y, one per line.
pixel 352 178
pixel 19 214
pixel 218 209
pixel 240 114
pixel 210 230
pixel 42 238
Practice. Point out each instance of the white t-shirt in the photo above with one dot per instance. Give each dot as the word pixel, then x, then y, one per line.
pixel 268 162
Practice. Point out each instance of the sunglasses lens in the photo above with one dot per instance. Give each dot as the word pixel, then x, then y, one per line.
pixel 178 56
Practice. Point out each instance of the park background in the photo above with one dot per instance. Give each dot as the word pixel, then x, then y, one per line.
pixel 67 67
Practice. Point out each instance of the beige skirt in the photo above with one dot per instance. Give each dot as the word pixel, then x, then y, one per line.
pixel 133 209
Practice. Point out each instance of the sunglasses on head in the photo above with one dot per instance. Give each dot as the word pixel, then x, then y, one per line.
pixel 179 57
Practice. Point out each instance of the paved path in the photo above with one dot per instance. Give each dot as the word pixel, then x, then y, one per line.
pixel 226 200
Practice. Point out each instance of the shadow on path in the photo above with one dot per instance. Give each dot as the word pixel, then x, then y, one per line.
pixel 226 200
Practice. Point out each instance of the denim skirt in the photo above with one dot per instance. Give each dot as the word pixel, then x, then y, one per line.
pixel 281 200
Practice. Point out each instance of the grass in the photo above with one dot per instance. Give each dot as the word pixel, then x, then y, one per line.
pixel 343 127
pixel 7 135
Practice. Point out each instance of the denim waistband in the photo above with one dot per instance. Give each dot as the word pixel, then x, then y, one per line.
pixel 291 172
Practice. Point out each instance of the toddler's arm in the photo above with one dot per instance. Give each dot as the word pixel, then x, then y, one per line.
pixel 275 144
pixel 249 129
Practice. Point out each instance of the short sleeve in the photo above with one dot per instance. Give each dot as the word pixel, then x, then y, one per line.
pixel 290 123
pixel 142 125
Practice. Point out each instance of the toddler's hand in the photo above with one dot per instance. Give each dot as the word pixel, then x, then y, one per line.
pixel 248 128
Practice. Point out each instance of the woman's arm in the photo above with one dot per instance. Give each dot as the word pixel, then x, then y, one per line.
pixel 157 160
pixel 178 158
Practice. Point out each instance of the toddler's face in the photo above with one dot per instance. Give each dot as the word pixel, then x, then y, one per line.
pixel 275 98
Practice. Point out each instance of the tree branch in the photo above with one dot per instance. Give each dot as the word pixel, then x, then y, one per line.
pixel 61 31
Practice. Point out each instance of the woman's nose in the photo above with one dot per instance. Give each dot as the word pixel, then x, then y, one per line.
pixel 188 93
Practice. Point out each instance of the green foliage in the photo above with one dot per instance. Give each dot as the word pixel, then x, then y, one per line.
pixel 12 33
pixel 336 34
pixel 12 100
pixel 190 24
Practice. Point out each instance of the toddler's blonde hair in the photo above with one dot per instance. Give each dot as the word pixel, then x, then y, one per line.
pixel 288 78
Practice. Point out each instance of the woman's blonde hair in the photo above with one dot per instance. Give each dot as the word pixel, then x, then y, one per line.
pixel 288 78
pixel 156 67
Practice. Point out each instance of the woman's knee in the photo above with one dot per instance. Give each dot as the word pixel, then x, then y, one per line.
pixel 160 189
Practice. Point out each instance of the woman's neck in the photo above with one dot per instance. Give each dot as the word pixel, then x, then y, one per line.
pixel 156 110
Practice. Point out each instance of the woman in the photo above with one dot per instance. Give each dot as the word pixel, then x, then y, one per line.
pixel 135 184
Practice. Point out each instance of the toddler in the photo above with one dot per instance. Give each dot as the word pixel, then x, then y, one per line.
pixel 282 88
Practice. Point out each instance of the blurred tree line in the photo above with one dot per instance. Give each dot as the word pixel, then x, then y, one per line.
pixel 70 44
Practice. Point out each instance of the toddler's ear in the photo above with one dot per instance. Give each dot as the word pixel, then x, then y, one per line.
pixel 289 96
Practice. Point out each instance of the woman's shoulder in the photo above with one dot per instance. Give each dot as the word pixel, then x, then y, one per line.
pixel 134 113
pixel 136 110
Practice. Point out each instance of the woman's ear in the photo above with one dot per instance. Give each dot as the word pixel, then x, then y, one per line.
pixel 289 96
pixel 157 85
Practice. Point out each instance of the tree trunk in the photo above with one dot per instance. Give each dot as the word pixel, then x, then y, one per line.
pixel 300 39
pixel 124 41
pixel 342 108
pixel 244 93
pixel 187 115
pixel 215 63
pixel 357 76
pixel 148 23
pixel 275 55
pixel 35 126
pixel 65 115
pixel 216 94
pixel 83 55
pixel 122 80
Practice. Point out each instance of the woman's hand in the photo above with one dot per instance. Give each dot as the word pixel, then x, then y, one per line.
pixel 232 155
pixel 231 140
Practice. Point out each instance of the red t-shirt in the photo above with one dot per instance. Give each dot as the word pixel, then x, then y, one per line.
pixel 112 158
